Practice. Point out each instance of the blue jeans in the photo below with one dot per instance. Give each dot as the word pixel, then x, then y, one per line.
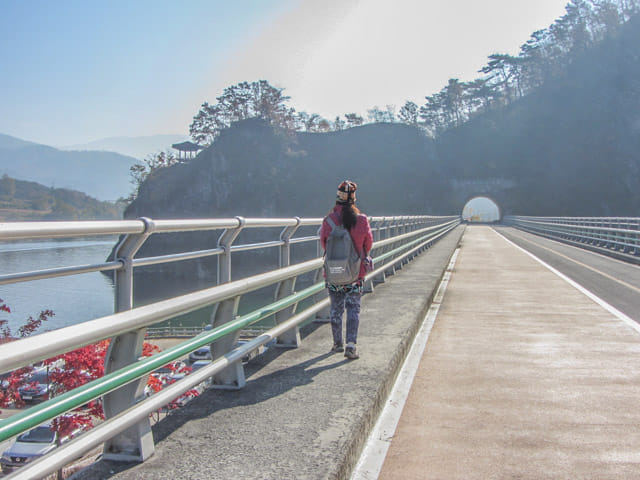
pixel 338 302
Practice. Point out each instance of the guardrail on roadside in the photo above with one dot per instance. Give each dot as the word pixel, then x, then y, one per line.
pixel 171 331
pixel 615 236
pixel 126 430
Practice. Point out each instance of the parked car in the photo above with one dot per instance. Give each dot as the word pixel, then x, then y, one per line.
pixel 171 371
pixel 4 380
pixel 179 374
pixel 37 386
pixel 253 353
pixel 197 365
pixel 31 445
pixel 203 353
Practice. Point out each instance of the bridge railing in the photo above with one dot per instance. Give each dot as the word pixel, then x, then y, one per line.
pixel 617 236
pixel 126 431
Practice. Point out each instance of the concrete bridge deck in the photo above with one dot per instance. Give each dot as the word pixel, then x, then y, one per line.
pixel 522 377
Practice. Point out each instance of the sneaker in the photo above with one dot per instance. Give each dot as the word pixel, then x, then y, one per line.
pixel 351 353
pixel 337 347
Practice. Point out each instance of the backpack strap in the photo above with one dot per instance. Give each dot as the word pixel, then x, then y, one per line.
pixel 332 225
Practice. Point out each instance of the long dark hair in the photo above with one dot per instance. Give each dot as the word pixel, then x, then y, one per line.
pixel 349 215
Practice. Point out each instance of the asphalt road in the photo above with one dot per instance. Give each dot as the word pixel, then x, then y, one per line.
pixel 614 281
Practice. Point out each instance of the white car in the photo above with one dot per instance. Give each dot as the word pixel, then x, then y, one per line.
pixel 31 445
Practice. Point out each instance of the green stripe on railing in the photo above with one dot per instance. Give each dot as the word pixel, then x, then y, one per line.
pixel 49 409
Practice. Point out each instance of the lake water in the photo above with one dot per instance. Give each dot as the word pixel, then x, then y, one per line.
pixel 73 299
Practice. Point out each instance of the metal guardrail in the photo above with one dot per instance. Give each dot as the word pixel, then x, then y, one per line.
pixel 615 236
pixel 126 430
pixel 172 331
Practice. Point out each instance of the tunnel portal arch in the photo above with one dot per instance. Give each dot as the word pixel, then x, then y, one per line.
pixel 481 207
pixel 498 190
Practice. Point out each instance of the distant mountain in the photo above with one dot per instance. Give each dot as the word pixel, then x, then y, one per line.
pixel 20 201
pixel 137 147
pixel 12 143
pixel 103 175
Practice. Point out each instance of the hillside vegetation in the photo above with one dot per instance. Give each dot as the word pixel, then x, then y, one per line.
pixel 22 201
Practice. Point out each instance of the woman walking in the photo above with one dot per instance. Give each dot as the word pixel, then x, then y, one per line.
pixel 346 213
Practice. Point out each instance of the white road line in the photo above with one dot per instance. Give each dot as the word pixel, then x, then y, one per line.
pixel 375 451
pixel 595 270
pixel 629 321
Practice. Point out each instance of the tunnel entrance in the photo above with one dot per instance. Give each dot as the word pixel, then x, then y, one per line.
pixel 481 209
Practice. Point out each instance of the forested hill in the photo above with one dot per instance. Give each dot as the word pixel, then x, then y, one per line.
pixel 573 143
pixel 24 201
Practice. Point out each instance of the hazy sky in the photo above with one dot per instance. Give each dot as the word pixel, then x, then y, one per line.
pixel 76 70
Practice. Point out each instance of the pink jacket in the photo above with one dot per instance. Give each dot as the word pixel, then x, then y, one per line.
pixel 360 234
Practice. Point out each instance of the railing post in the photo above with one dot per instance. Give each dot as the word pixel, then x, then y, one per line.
pixel 224 259
pixel 135 443
pixel 376 232
pixel 417 224
pixel 291 338
pixel 232 377
pixel 285 248
pixel 393 225
pixel 404 229
pixel 385 225
pixel 602 234
pixel 618 237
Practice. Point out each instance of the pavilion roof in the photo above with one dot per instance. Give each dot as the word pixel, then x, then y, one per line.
pixel 187 147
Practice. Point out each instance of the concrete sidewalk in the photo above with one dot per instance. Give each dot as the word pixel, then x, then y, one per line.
pixel 305 413
pixel 523 377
